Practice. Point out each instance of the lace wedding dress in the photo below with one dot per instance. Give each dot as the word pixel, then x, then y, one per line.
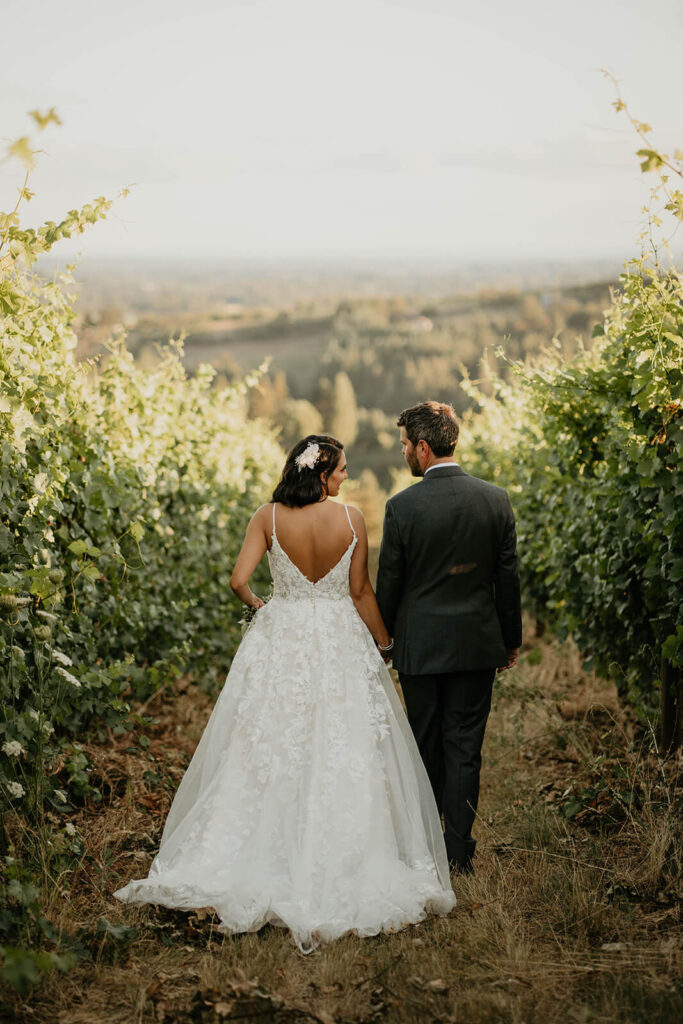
pixel 306 803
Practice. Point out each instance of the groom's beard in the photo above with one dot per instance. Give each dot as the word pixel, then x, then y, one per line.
pixel 413 464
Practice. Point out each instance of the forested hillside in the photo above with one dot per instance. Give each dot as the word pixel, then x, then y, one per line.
pixel 351 364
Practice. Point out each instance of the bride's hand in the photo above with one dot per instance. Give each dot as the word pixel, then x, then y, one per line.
pixel 386 651
pixel 256 604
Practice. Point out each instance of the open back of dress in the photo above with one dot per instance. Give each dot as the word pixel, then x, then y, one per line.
pixel 314 548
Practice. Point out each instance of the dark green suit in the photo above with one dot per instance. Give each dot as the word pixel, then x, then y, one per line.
pixel 448 590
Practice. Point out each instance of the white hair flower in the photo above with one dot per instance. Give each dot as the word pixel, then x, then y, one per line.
pixel 61 659
pixel 309 456
pixel 15 789
pixel 13 748
pixel 69 678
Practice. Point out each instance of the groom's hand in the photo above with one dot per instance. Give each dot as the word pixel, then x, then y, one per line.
pixel 513 655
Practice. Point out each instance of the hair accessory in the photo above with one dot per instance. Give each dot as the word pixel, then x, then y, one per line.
pixel 308 457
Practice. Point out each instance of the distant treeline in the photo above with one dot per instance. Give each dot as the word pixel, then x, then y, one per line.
pixel 380 356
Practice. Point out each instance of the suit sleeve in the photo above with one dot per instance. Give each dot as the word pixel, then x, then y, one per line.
pixel 391 571
pixel 506 583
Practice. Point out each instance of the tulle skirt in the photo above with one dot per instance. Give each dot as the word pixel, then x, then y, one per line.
pixel 306 803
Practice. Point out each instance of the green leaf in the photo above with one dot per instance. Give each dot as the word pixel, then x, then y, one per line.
pixel 572 807
pixel 675 205
pixel 676 571
pixel 20 968
pixel 22 151
pixel 651 160
pixel 137 530
pixel 79 547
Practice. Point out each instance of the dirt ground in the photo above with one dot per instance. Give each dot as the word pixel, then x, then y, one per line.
pixel 572 914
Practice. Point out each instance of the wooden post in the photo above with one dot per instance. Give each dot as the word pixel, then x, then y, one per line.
pixel 670 707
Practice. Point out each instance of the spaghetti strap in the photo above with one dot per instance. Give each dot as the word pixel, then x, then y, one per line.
pixel 274 533
pixel 349 519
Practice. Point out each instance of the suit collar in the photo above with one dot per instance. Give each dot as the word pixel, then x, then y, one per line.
pixel 446 470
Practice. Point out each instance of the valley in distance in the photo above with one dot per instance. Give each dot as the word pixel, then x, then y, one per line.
pixel 348 347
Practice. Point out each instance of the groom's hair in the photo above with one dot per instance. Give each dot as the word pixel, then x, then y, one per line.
pixel 433 422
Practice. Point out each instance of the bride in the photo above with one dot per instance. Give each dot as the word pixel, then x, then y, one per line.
pixel 306 803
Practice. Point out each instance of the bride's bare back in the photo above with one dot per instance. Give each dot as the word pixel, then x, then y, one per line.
pixel 314 537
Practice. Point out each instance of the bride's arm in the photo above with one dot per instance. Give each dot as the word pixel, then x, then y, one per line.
pixel 253 549
pixel 362 594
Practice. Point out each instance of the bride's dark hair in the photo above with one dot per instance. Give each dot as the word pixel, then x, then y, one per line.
pixel 300 486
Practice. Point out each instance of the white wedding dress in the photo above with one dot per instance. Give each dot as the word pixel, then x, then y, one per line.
pixel 306 803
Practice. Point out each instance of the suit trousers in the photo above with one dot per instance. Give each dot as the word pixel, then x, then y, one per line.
pixel 448 715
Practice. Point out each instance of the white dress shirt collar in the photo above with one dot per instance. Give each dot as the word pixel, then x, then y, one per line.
pixel 439 465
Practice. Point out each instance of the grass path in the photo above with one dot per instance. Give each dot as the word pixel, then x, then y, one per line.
pixel 570 919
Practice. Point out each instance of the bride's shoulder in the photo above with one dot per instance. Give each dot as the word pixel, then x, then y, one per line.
pixel 263 512
pixel 357 517
pixel 355 511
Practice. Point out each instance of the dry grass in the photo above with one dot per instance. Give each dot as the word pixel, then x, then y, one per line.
pixel 565 920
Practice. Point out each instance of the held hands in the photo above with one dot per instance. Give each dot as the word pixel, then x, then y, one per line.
pixel 386 650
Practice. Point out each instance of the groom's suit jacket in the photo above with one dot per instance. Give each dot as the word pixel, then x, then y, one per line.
pixel 447 584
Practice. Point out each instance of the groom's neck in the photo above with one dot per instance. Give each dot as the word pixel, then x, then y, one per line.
pixel 447 460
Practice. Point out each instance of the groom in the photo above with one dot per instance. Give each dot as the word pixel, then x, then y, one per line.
pixel 448 590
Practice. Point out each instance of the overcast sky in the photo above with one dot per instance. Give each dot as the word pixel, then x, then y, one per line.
pixel 343 129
